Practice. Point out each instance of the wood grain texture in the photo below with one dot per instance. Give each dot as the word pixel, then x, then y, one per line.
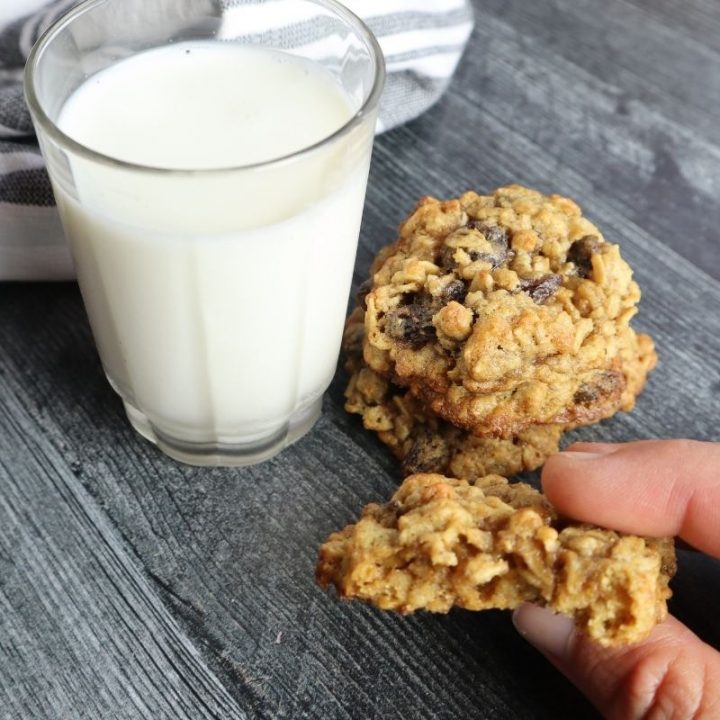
pixel 134 587
pixel 92 631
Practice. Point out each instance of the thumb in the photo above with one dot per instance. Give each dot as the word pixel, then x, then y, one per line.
pixel 671 674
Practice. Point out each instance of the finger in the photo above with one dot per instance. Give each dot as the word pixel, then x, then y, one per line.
pixel 597 448
pixel 672 674
pixel 652 487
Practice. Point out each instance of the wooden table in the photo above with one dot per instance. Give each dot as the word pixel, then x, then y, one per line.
pixel 135 587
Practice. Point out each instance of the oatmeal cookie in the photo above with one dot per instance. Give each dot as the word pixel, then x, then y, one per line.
pixel 442 542
pixel 424 442
pixel 504 311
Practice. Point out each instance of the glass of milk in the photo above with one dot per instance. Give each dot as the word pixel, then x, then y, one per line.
pixel 209 161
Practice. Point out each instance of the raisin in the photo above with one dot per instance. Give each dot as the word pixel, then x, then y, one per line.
pixel 446 260
pixel 363 292
pixel 412 323
pixel 581 252
pixel 499 241
pixel 540 289
pixel 428 453
pixel 454 290
pixel 605 385
pixel 494 234
pixel 585 395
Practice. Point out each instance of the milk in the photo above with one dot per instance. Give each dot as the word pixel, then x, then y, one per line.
pixel 216 298
pixel 205 106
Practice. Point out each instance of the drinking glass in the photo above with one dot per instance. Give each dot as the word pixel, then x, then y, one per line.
pixel 216 296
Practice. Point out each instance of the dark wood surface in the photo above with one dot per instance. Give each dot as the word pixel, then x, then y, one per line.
pixel 135 587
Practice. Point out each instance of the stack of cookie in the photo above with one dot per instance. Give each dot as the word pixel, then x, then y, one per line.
pixel 491 325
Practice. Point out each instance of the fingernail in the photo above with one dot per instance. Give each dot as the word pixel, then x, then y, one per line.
pixel 580 456
pixel 548 632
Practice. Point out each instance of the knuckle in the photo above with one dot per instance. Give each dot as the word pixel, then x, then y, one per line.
pixel 663 688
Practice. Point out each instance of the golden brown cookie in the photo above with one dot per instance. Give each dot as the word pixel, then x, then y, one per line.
pixel 424 442
pixel 503 312
pixel 442 542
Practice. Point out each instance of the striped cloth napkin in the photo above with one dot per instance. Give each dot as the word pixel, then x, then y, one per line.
pixel 422 41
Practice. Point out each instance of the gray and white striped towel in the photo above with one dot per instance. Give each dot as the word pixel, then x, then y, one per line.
pixel 422 41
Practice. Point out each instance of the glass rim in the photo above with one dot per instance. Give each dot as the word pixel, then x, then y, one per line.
pixel 61 138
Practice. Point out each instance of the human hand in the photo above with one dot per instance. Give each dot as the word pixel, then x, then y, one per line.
pixel 655 488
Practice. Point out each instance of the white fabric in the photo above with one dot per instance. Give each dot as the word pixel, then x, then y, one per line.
pixel 422 41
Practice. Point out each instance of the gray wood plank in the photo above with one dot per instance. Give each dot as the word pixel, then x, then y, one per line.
pixel 630 103
pixel 697 19
pixel 79 620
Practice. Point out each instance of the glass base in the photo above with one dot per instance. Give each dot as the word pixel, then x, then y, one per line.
pixel 227 454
